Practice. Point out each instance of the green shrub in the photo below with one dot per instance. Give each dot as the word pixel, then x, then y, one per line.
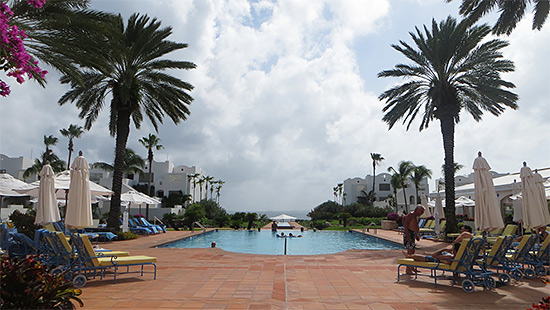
pixel 126 235
pixel 26 284
pixel 24 223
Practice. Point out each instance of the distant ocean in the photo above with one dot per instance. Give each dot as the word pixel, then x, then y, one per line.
pixel 301 214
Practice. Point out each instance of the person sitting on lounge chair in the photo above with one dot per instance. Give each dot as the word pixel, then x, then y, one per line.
pixel 465 233
pixel 443 256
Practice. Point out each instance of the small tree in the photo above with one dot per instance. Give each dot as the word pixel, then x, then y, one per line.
pixel 194 213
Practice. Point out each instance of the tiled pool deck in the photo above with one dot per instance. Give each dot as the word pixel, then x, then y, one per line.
pixel 355 279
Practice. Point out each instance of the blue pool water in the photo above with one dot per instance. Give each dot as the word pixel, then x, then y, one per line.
pixel 266 242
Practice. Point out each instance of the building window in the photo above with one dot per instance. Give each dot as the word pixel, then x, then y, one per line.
pixel 384 187
pixel 411 200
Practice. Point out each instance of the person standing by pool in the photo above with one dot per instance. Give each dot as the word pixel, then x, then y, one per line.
pixel 411 233
pixel 274 226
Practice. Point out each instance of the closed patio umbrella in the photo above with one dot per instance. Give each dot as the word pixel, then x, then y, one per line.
pixel 79 205
pixel 47 211
pixel 424 203
pixel 516 202
pixel 487 208
pixel 535 208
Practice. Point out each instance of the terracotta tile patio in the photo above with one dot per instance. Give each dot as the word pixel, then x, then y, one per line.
pixel 355 279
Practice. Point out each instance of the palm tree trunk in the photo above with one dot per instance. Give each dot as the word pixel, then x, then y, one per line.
pixel 448 132
pixel 373 181
pixel 70 153
pixel 149 182
pixel 405 196
pixel 123 130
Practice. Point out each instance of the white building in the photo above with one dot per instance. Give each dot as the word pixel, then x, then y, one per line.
pixel 16 166
pixel 357 187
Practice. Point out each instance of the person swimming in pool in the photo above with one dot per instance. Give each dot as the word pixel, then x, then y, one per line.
pixel 282 235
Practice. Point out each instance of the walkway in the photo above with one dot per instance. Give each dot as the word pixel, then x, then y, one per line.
pixel 356 279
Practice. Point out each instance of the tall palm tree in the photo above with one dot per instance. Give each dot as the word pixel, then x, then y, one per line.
pixel 335 192
pixel 340 189
pixel 74 131
pixel 150 143
pixel 194 178
pixel 207 180
pixel 395 182
pixel 376 160
pixel 48 156
pixel 418 175
pixel 403 173
pixel 219 185
pixel 453 68
pixel 456 168
pixel 511 12
pixel 132 163
pixel 200 182
pixel 130 75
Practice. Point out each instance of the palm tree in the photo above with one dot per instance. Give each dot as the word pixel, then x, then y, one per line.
pixel 395 182
pixel 511 12
pixel 194 177
pixel 130 74
pixel 150 143
pixel 454 68
pixel 457 167
pixel 207 180
pixel 402 173
pixel 376 160
pixel 200 182
pixel 335 192
pixel 219 185
pixel 419 174
pixel 132 163
pixel 47 157
pixel 340 189
pixel 74 131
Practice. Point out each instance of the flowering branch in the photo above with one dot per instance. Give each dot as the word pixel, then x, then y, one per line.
pixel 13 56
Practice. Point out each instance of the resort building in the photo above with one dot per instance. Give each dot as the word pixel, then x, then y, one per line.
pixel 166 178
pixel 16 166
pixel 355 188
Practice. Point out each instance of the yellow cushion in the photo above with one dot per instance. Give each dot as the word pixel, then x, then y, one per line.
pixel 412 262
pixel 126 260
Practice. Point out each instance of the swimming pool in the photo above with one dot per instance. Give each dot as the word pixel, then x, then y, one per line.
pixel 267 242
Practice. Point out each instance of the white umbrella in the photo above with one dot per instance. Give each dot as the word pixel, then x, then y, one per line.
pixel 283 217
pixel 138 197
pixel 487 208
pixel 7 184
pixel 424 203
pixel 79 205
pixel 47 211
pixel 62 184
pixel 516 202
pixel 535 208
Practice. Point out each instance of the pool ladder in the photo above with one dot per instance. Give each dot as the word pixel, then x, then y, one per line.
pixel 370 225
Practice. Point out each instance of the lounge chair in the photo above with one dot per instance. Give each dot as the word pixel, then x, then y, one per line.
pixel 144 223
pixel 137 229
pixel 496 259
pixel 509 230
pixel 92 263
pixel 138 223
pixel 463 263
pixel 431 230
pixel 524 255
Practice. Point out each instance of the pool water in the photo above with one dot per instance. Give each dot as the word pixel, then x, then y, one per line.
pixel 267 242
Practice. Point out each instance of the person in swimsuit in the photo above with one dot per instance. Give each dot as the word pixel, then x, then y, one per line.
pixel 411 232
pixel 443 256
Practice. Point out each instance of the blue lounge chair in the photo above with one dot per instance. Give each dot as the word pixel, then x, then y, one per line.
pixel 463 263
pixel 144 223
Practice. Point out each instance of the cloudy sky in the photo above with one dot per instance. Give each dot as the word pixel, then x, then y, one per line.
pixel 286 99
